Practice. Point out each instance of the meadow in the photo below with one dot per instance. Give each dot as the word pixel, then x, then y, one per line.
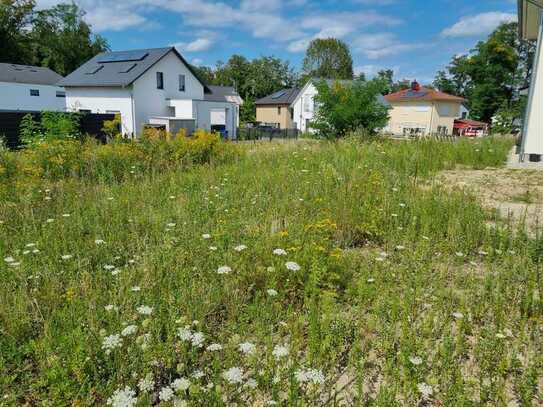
pixel 293 274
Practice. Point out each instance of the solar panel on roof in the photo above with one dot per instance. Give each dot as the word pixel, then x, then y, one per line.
pixel 415 94
pixel 123 56
pixel 127 68
pixel 278 95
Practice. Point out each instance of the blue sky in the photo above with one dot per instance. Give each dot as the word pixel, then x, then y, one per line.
pixel 413 37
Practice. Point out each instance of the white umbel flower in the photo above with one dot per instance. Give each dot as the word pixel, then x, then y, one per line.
pixel 224 270
pixel 166 394
pixel 312 376
pixel 280 351
pixel 425 390
pixel 123 398
pixel 292 266
pixel 240 248
pixel 247 347
pixel 146 384
pixel 181 384
pixel 415 360
pixel 129 330
pixel 145 310
pixel 214 347
pixel 272 293
pixel 111 342
pixel 233 375
pixel 280 252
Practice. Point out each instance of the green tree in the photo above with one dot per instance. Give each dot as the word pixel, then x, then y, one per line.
pixel 15 18
pixel 345 107
pixel 205 73
pixel 490 76
pixel 328 59
pixel 62 40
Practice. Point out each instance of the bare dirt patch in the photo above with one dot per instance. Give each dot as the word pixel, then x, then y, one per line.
pixel 516 194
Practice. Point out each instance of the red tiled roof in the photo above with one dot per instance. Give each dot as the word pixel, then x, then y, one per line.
pixel 422 94
pixel 469 122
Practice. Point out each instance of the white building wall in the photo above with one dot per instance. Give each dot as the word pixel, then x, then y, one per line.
pixel 304 107
pixel 16 96
pixel 152 102
pixel 103 100
pixel 532 142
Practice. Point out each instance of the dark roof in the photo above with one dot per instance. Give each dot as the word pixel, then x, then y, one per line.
pixel 28 74
pixel 221 94
pixel 282 97
pixel 97 72
pixel 422 94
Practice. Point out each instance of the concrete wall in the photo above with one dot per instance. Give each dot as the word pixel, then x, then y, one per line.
pixel 270 114
pixel 103 100
pixel 151 101
pixel 532 142
pixel 205 111
pixel 16 96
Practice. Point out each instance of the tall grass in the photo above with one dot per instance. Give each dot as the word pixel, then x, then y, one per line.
pixel 393 291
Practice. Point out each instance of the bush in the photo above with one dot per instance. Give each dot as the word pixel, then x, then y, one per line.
pixel 345 108
pixel 51 126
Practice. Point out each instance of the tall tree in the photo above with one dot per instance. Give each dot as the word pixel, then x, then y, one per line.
pixel 15 18
pixel 329 59
pixel 490 76
pixel 62 40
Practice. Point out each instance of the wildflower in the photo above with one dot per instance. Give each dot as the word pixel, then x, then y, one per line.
pixel 213 248
pixel 271 403
pixel 197 339
pixel 66 256
pixel 313 376
pixel 247 347
pixel 206 236
pixel 145 310
pixel 14 264
pixel 99 242
pixel 240 248
pixel 123 398
pixel 111 307
pixel 9 259
pixel 380 259
pixel 400 248
pixel 30 245
pixel 109 267
pixel 483 253
pixel 459 254
pixel 280 352
pixel 214 347
pixel 146 384
pixel 135 289
pixel 171 225
pixel 425 390
pixel 233 375
pixel 111 342
pixel 251 384
pixel 292 266
pixel 280 252
pixel 66 215
pixel 115 272
pixel 415 360
pixel 165 394
pixel 272 293
pixel 224 270
pixel 50 220
pixel 184 334
pixel 500 336
pixel 197 374
pixel 129 330
pixel 402 205
pixel 180 384
pixel 179 403
pixel 371 280
pixel 458 315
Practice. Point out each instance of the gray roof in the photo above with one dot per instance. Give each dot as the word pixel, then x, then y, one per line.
pixel 221 94
pixel 282 97
pixel 28 74
pixel 96 73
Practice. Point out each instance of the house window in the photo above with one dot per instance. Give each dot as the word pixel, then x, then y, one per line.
pixel 308 105
pixel 181 83
pixel 279 110
pixel 34 92
pixel 160 80
pixel 442 130
pixel 61 94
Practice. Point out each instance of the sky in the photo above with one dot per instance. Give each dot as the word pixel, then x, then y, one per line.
pixel 415 38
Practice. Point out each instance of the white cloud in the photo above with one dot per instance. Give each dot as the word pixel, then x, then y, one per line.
pixel 380 45
pixel 197 62
pixel 199 44
pixel 479 24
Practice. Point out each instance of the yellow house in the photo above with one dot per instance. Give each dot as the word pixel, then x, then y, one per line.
pixel 276 111
pixel 422 111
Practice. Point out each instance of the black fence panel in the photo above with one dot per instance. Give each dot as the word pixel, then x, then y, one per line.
pixel 259 133
pixel 90 124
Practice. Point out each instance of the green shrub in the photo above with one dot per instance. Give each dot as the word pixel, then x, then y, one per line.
pixel 51 126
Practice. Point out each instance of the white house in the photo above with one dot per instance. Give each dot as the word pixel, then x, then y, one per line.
pixel 30 88
pixel 531 28
pixel 304 108
pixel 151 87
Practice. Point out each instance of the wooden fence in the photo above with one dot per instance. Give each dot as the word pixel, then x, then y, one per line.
pixel 90 124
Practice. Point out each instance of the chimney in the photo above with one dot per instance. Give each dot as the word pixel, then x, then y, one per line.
pixel 415 86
